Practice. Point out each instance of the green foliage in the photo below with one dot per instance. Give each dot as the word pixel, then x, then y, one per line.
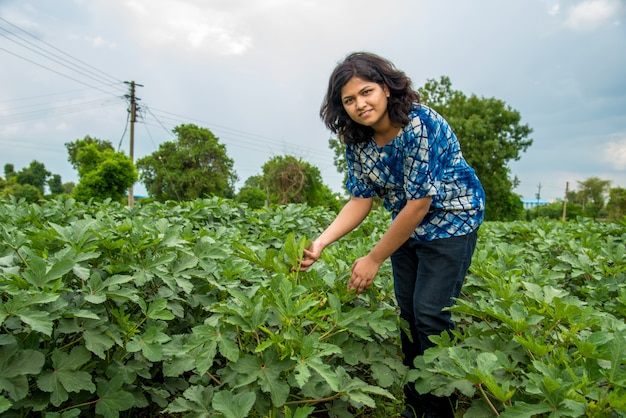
pixel 290 180
pixel 339 157
pixel 35 175
pixel 27 192
pixel 253 196
pixel 9 170
pixel 198 309
pixel 491 134
pixel 97 145
pixel 56 185
pixel 616 207
pixel 591 197
pixel 192 308
pixel 103 172
pixel 196 165
pixel 29 183
pixel 542 330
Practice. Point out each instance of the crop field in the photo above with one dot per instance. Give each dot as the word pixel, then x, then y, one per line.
pixel 197 309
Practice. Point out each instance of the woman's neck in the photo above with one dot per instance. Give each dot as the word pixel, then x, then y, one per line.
pixel 385 136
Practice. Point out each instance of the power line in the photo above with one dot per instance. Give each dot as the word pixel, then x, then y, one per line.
pixel 233 138
pixel 43 96
pixel 54 71
pixel 55 111
pixel 49 52
pixel 87 74
pixel 239 136
pixel 89 68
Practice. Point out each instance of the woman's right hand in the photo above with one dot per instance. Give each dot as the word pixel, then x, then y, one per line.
pixel 311 255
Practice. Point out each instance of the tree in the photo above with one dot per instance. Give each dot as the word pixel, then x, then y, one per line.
pixel 254 181
pixel 253 196
pixel 617 203
pixel 28 192
pixel 35 174
pixel 252 192
pixel 103 173
pixel 73 149
pixel 592 195
pixel 339 157
pixel 491 135
pixel 68 188
pixel 194 166
pixel 9 171
pixel 55 185
pixel 290 180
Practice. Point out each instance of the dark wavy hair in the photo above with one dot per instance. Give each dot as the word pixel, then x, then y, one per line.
pixel 373 68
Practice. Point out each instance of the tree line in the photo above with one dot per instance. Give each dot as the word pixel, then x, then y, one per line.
pixel 195 165
pixel 594 198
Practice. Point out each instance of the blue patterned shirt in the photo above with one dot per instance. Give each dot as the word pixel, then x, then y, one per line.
pixel 425 159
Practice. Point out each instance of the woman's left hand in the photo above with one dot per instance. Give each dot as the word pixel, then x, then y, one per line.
pixel 363 272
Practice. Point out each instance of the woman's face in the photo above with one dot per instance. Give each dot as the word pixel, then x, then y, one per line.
pixel 366 102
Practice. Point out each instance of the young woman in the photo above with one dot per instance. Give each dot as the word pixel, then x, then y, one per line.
pixel 407 154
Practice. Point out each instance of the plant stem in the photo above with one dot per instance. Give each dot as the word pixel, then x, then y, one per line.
pixel 482 391
pixel 314 401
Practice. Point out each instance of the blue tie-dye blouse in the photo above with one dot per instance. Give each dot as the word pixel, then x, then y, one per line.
pixel 423 160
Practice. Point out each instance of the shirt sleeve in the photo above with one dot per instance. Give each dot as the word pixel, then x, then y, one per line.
pixel 358 182
pixel 423 162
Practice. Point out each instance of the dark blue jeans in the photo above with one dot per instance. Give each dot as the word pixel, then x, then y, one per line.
pixel 427 278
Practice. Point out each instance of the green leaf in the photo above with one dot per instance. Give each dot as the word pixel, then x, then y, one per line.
pixel 302 373
pixel 525 410
pixel 487 362
pixel 38 320
pixel 97 342
pixel 117 280
pixel 383 375
pixel 59 269
pixel 38 274
pixel 325 371
pixel 157 309
pixel 150 343
pixel 81 313
pixel 267 372
pixel 301 412
pixel 17 387
pixel 129 370
pixel 7 339
pixel 15 366
pixel 19 362
pixel 112 398
pixel 234 406
pixel 196 399
pixel 5 404
pixel 35 272
pixel 228 346
pixel 66 377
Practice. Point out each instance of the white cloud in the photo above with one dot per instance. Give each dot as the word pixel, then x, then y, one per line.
pixel 592 14
pixel 553 7
pixel 615 154
pixel 554 10
pixel 99 41
pixel 188 24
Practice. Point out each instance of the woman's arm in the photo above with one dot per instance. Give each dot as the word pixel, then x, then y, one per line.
pixel 350 216
pixel 365 269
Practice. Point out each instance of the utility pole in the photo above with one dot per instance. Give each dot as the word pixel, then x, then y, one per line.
pixel 538 196
pixel 565 201
pixel 133 117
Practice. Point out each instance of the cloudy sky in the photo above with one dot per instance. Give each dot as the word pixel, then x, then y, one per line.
pixel 255 71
